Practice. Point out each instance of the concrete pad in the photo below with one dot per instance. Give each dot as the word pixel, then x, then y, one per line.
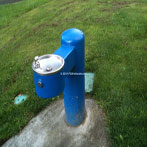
pixel 49 129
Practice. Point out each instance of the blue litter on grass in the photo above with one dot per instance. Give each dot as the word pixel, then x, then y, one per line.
pixel 20 98
pixel 89 78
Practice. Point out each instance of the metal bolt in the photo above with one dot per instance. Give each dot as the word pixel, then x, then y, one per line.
pixel 37 64
pixel 36 58
pixel 40 84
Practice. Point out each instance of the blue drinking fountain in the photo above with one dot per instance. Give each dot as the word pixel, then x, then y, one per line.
pixel 64 71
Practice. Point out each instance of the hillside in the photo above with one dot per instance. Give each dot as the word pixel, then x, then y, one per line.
pixel 116 51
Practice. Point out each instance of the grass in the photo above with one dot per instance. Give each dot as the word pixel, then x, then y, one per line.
pixel 116 51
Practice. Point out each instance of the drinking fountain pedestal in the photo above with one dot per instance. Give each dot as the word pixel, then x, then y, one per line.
pixel 65 72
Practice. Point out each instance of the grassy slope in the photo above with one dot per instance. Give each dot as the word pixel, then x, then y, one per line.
pixel 116 50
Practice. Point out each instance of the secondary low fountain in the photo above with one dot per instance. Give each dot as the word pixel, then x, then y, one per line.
pixel 64 70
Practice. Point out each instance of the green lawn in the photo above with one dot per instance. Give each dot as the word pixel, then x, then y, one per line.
pixel 116 51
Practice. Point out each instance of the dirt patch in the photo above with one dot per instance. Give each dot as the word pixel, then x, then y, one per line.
pixel 55 24
pixel 113 8
pixel 121 3
pixel 66 3
pixel 116 5
pixel 14 37
pixel 44 25
pixel 38 28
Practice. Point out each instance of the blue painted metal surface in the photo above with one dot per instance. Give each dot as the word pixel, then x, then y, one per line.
pixel 69 56
pixel 52 85
pixel 72 50
pixel 74 92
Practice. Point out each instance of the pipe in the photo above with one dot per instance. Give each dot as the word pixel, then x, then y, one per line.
pixel 73 51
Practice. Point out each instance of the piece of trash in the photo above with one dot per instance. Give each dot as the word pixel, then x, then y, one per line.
pixel 20 98
pixel 89 78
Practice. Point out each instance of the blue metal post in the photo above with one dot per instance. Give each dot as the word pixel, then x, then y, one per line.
pixel 74 91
